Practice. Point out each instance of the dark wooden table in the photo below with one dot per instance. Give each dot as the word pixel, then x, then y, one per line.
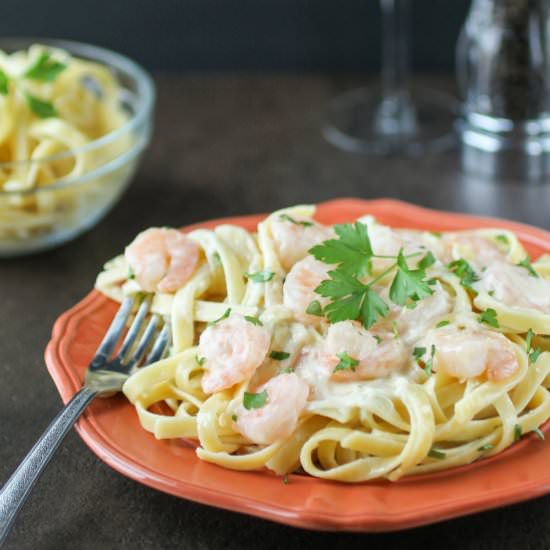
pixel 222 146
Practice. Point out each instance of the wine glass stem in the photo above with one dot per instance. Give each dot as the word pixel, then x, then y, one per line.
pixel 396 114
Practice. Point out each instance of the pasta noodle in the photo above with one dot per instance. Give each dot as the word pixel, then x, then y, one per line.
pixel 444 363
pixel 53 106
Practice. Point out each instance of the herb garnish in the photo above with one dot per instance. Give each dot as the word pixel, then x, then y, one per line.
pixel 517 432
pixel 3 83
pixel 226 314
pixel 503 239
pixel 279 355
pixel 436 453
pixel 526 263
pixel 418 353
pixel 44 68
pixel 200 360
pixel 315 309
pixel 41 108
pixel 234 417
pixel 285 479
pixel 464 271
pixel 254 320
pixel 260 276
pixel 489 317
pixel 486 447
pixel 287 218
pixel 532 353
pixel 427 261
pixel 254 400
pixel 443 323
pixel 346 362
pixel 437 234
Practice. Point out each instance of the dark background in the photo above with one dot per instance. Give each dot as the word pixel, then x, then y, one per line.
pixel 242 35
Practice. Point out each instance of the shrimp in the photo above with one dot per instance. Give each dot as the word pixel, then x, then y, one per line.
pixel 514 286
pixel 287 395
pixel 232 348
pixel 162 259
pixel 379 354
pixel 478 250
pixel 299 288
pixel 468 353
pixel 293 239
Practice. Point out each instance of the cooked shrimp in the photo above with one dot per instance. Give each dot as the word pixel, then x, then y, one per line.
pixel 286 398
pixel 293 239
pixel 379 354
pixel 162 259
pixel 299 287
pixel 514 286
pixel 469 353
pixel 478 250
pixel 232 348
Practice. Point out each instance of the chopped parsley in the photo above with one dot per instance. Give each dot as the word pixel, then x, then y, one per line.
pixel 437 234
pixel 131 274
pixel 346 362
pixel 436 453
pixel 288 218
pixel 315 309
pixel 486 447
pixel 377 338
pixel 44 68
pixel 394 329
pixel 526 263
pixel 254 400
pixel 226 314
pixel 517 432
pixel 443 323
pixel 3 83
pixel 285 479
pixel 489 317
pixel 427 261
pixel 41 108
pixel 418 353
pixel 288 370
pixel 260 276
pixel 234 417
pixel 254 320
pixel 200 360
pixel 464 271
pixel 532 353
pixel 279 355
pixel 428 368
pixel 503 239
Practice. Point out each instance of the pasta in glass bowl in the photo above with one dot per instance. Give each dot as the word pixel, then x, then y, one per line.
pixel 74 121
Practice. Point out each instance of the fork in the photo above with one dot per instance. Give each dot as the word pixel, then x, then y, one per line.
pixel 105 376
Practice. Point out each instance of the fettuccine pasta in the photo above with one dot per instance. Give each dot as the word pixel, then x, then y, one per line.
pixel 350 353
pixel 53 106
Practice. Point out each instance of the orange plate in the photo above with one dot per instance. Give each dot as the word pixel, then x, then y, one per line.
pixel 111 429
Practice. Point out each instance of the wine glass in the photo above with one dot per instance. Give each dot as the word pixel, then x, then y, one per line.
pixel 392 117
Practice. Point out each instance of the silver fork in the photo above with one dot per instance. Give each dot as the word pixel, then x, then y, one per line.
pixel 105 376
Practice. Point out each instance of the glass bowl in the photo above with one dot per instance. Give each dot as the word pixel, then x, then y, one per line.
pixel 44 217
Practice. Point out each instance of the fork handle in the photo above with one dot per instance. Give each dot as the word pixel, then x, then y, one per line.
pixel 18 487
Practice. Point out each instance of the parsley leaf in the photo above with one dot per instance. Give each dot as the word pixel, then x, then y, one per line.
pixel 351 252
pixel 526 263
pixel 418 353
pixel 131 274
pixel 442 324
pixel 260 276
pixel 517 432
pixel 44 68
pixel 489 317
pixel 408 283
pixel 427 261
pixel 224 316
pixel 42 109
pixel 436 453
pixel 503 239
pixel 346 362
pixel 315 309
pixel 254 320
pixel 486 447
pixel 200 360
pixel 279 355
pixel 3 83
pixel 254 400
pixel 288 218
pixel 430 362
pixel 234 417
pixel 288 370
pixel 533 353
pixel 463 270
